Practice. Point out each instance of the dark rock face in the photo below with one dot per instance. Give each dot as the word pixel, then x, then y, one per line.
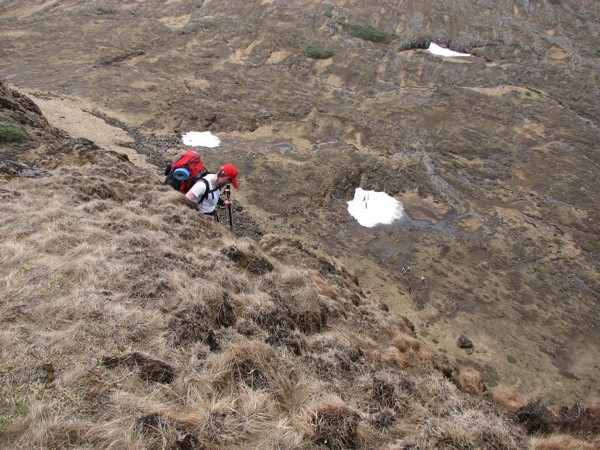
pixel 464 342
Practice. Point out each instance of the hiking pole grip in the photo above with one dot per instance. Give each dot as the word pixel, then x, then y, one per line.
pixel 228 195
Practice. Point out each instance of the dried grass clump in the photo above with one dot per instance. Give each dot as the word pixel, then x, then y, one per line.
pixel 249 258
pixel 393 390
pixel 160 429
pixel 563 442
pixel 190 326
pixel 249 363
pixel 334 357
pixel 466 429
pixel 535 417
pixel 581 420
pixel 298 300
pixel 335 426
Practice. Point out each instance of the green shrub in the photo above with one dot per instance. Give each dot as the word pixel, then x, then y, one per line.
pixel 11 131
pixel 598 52
pixel 329 13
pixel 316 52
pixel 368 32
pixel 557 2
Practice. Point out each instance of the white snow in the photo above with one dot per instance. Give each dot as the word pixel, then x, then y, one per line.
pixel 441 51
pixel 201 139
pixel 371 208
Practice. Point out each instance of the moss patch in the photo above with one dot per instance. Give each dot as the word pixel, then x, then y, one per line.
pixel 367 32
pixel 313 51
pixel 11 131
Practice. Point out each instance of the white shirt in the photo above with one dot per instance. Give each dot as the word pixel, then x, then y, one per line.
pixel 198 189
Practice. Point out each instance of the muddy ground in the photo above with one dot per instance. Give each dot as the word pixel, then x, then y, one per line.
pixel 495 157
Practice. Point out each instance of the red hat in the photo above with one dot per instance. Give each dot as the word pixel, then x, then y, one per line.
pixel 231 172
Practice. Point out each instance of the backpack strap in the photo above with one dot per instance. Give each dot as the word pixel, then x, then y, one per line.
pixel 207 191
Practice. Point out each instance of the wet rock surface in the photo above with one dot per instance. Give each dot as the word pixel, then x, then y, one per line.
pixel 494 157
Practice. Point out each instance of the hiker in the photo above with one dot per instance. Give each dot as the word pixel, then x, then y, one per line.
pixel 206 193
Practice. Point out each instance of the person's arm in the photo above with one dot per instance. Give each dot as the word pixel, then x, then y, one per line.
pixel 191 196
pixel 196 192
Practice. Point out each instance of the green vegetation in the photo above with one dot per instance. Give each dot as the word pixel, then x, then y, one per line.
pixel 329 13
pixel 6 367
pixel 598 52
pixel 367 32
pixel 557 2
pixel 11 131
pixel 14 404
pixel 316 52
pixel 589 245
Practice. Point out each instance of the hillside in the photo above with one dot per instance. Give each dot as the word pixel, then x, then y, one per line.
pixel 130 321
pixel 493 157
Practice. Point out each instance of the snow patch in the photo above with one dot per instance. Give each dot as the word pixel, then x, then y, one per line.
pixel 372 208
pixel 441 51
pixel 201 139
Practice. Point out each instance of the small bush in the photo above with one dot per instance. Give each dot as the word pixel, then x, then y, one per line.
pixel 318 53
pixel 580 419
pixel 11 131
pixel 598 52
pixel 557 2
pixel 368 32
pixel 335 426
pixel 535 417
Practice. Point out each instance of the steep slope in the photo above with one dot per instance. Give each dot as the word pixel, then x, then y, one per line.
pixel 493 156
pixel 128 320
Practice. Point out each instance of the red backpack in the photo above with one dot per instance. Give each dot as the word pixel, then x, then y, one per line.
pixel 185 171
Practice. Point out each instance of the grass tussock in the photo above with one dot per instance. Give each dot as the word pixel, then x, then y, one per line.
pixel 578 420
pixel 121 328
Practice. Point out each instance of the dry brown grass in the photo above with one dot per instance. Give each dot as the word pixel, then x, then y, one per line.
pixel 563 442
pixel 130 321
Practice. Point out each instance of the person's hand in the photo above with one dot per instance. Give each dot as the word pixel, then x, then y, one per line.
pixel 228 202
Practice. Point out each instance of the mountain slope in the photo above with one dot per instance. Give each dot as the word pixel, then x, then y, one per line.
pixel 130 321
pixel 494 156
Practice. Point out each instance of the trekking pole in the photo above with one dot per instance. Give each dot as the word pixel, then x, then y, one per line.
pixel 228 195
